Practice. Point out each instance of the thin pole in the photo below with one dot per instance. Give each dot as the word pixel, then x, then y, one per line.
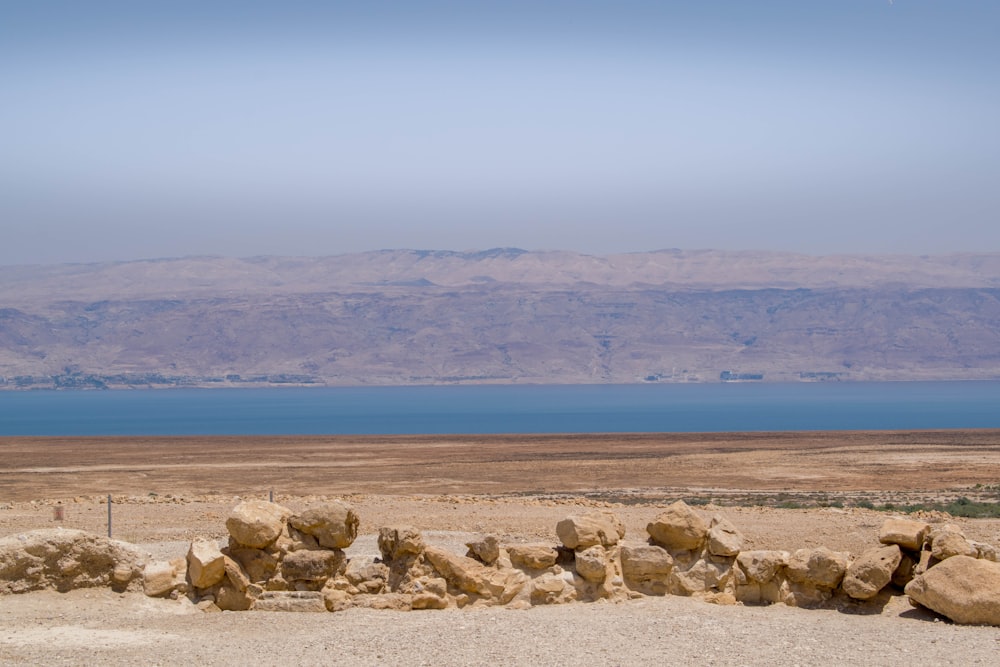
pixel 271 495
pixel 109 516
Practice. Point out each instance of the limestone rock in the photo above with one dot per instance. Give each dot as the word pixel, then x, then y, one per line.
pixel 818 567
pixel 258 565
pixel 205 563
pixel 985 551
pixel 965 589
pixel 399 541
pixel 908 534
pixel 66 559
pixel 485 549
pixel 905 571
pixel 333 524
pixel 551 588
pixel 312 566
pixel 390 601
pixel 592 564
pixel 872 572
pixel 235 573
pixel 646 568
pixel 297 601
pixel 336 600
pixel 949 540
pixel 678 528
pixel 367 577
pixel 762 566
pixel 160 578
pixel 256 523
pixel 580 531
pixel 704 575
pixel 471 576
pixel 723 537
pixel 532 556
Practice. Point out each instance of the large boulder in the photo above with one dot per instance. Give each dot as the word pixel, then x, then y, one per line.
pixel 965 589
pixel 532 556
pixel 471 576
pixel 592 564
pixel 258 564
pixel 820 567
pixel 678 528
pixel 161 578
pixel 314 567
pixel 333 524
pixel 723 537
pixel 396 542
pixel 872 572
pixel 66 559
pixel 580 531
pixel 762 566
pixel 646 568
pixel 485 549
pixel 256 523
pixel 948 540
pixel 908 534
pixel 205 563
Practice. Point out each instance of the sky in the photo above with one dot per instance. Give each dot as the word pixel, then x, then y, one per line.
pixel 151 129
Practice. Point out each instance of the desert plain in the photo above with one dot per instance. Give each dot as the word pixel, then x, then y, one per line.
pixel 782 490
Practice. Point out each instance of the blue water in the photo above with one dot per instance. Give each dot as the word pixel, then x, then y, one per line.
pixel 504 409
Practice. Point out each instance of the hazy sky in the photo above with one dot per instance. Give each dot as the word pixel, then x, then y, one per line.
pixel 152 129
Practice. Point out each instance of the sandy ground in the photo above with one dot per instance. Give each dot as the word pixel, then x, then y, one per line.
pixel 167 491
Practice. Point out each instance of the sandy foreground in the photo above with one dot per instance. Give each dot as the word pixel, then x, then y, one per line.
pixel 168 490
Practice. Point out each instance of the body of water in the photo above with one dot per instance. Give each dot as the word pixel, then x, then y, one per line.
pixel 504 409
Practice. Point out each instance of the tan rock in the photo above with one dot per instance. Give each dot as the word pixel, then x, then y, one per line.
pixel 257 523
pixel 551 588
pixel 333 524
pixel 257 564
pixel 818 567
pixel 399 541
pixel 704 575
pixel 471 576
pixel 294 601
pixel 229 597
pixel 160 577
pixel 485 549
pixel 985 551
pixel 762 566
pixel 723 537
pixel 646 568
pixel 367 577
pixel 336 600
pixel 385 601
pixel 532 556
pixel 592 564
pixel 948 540
pixel 905 571
pixel 580 531
pixel 963 588
pixel 314 566
pixel 871 572
pixel 678 528
pixel 205 563
pixel 908 534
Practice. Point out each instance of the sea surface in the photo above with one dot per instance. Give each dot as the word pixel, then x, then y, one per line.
pixel 504 409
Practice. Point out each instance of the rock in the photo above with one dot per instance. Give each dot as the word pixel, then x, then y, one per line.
pixel 592 564
pixel 297 601
pixel 485 549
pixel 205 563
pixel 399 541
pixel 256 523
pixel 532 556
pixel 905 571
pixel 906 533
pixel 428 601
pixel 333 524
pixel 471 576
pixel 258 565
pixel 818 567
pixel 367 577
pixel 963 588
pixel 704 575
pixel 871 572
pixel 723 537
pixel 390 601
pixel 336 600
pixel 762 566
pixel 237 577
pixel 985 551
pixel 228 597
pixel 646 568
pixel 160 578
pixel 948 541
pixel 678 528
pixel 64 559
pixel 551 588
pixel 580 531
pixel 312 566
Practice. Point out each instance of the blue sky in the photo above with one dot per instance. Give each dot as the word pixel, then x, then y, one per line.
pixel 147 129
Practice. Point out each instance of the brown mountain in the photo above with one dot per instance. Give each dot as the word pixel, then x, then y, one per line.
pixel 502 315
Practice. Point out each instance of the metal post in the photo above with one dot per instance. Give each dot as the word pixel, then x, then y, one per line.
pixel 109 516
pixel 271 495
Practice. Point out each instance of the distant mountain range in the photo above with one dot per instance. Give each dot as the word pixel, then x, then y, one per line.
pixel 502 315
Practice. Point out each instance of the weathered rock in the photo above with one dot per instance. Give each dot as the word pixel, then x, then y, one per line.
pixel 705 575
pixel 314 566
pixel 723 537
pixel 532 556
pixel 948 541
pixel 871 572
pixel 471 576
pixel 399 541
pixel 551 588
pixel 646 568
pixel 229 597
pixel 235 573
pixel 985 551
pixel 256 523
pixel 258 565
pixel 296 601
pixel 66 559
pixel 908 534
pixel 390 601
pixel 160 578
pixel 592 564
pixel 905 571
pixel 367 577
pixel 762 566
pixel 818 567
pixel 596 527
pixel 485 549
pixel 333 524
pixel 429 593
pixel 963 588
pixel 205 563
pixel 337 600
pixel 678 528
